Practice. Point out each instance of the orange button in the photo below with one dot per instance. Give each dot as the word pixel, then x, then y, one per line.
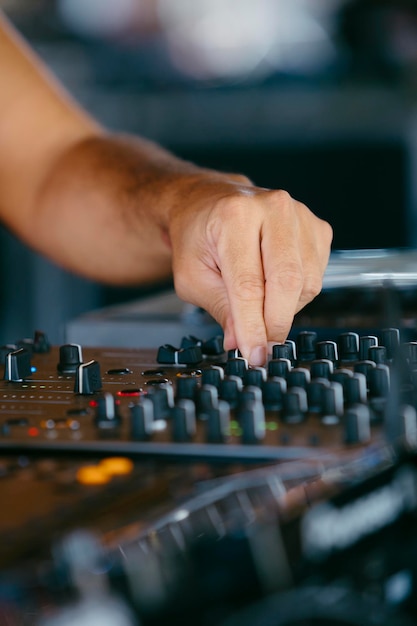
pixel 92 475
pixel 116 466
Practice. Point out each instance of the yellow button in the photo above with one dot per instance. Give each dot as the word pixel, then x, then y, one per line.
pixel 116 466
pixel 92 475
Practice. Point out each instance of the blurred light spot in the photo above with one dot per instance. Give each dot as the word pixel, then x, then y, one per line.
pixel 235 38
pixel 99 18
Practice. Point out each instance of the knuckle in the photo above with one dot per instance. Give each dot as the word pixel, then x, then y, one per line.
pixel 281 196
pixel 249 287
pixel 240 179
pixel 328 232
pixel 231 207
pixel 227 215
pixel 181 285
pixel 312 287
pixel 288 278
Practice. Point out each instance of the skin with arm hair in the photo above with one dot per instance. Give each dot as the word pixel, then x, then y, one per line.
pixel 122 210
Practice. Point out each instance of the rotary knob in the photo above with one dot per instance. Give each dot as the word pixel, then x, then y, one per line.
pixel 183 421
pixel 107 415
pixel 17 365
pixel 88 378
pixel 70 358
pixel 141 420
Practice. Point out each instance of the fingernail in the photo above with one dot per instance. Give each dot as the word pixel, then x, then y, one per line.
pixel 257 356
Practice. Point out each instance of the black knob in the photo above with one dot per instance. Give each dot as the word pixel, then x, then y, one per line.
pixel 162 398
pixel 279 367
pixel 379 381
pixel 212 375
pixel 186 387
pixel 366 342
pixel 250 394
pixel 141 419
pixel 298 377
pixel 41 343
pixel 355 389
pixel 230 389
pixel 357 424
pixel 295 406
pixel 315 394
pixel 87 378
pixel 17 365
pixel 321 368
pixel 183 421
pixel 255 376
pixel 251 416
pixel 213 346
pixel 236 367
pixel 282 351
pixel 293 350
pixel 273 391
pixel 218 423
pixel 70 358
pixel 364 367
pixel 332 407
pixel 327 350
pixel 341 375
pixel 306 345
pixel 377 354
pixel 107 414
pixel 348 347
pixel 207 397
pixel 390 338
pixel 190 356
pixel 174 356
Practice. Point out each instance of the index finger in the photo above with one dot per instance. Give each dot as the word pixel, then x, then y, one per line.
pixel 241 267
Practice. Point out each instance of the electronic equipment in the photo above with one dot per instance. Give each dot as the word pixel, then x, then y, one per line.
pixel 313 400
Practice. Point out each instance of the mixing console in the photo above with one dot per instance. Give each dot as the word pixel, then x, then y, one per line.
pixel 194 401
pixel 313 399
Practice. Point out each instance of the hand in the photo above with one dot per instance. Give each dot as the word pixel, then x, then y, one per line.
pixel 251 258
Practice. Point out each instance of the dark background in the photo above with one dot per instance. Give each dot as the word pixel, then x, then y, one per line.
pixel 331 118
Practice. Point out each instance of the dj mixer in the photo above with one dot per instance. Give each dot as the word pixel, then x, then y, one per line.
pixel 313 399
pixel 155 471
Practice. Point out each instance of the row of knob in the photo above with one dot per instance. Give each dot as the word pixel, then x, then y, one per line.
pixel 366 380
pixel 215 417
pixel 354 420
pixel 349 347
pixel 211 397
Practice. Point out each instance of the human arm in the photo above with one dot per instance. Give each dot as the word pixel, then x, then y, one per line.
pixel 122 210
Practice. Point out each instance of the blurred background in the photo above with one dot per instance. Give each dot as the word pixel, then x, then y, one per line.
pixel 319 98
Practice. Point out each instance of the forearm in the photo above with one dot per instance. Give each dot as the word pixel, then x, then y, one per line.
pixel 106 205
